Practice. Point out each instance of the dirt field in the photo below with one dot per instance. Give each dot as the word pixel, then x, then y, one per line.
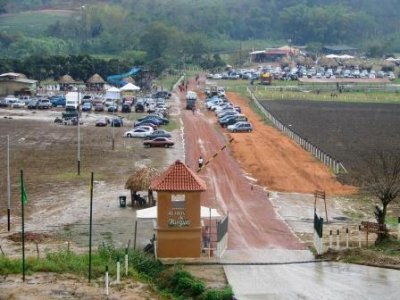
pixel 348 131
pixel 239 179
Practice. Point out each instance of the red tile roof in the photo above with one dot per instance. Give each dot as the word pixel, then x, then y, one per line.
pixel 178 177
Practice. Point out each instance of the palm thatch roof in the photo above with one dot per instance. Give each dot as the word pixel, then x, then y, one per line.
pixel 96 78
pixel 67 79
pixel 141 178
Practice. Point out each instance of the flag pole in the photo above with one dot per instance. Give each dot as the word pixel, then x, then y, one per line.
pixel 8 185
pixel 23 198
pixel 90 228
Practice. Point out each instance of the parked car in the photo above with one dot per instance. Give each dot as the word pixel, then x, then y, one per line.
pixel 161 120
pixel 126 108
pixel 116 122
pixel 102 122
pixel 159 133
pixel 232 120
pixel 99 106
pixel 151 122
pixel 3 103
pixel 10 99
pixel 109 102
pixel 139 107
pixel 44 104
pixel 17 104
pixel 87 106
pixel 58 101
pixel 138 132
pixel 158 142
pixel 112 108
pixel 162 94
pixel 240 127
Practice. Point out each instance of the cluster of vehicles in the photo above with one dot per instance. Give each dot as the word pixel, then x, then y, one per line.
pixel 39 102
pixel 148 126
pixel 318 72
pixel 229 115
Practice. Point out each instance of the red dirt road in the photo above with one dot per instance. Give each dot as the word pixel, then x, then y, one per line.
pixel 270 159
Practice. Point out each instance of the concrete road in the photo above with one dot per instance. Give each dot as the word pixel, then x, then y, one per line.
pixel 315 280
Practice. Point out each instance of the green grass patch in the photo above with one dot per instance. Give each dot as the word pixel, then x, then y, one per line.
pixel 166 82
pixel 32 23
pixel 171 282
pixel 172 125
pixel 265 93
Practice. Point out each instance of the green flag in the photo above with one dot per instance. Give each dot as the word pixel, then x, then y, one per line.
pixel 24 197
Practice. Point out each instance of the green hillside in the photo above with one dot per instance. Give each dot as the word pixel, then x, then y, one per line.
pixel 32 23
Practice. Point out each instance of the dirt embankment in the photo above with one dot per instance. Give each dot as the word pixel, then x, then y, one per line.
pixel 279 163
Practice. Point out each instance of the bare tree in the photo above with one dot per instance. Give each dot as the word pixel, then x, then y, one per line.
pixel 382 180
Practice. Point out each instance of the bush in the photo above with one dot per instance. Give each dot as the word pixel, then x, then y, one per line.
pixel 181 283
pixel 214 294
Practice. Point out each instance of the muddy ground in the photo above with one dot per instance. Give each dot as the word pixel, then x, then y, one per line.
pixel 58 202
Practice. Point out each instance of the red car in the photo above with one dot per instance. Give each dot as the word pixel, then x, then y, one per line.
pixel 159 142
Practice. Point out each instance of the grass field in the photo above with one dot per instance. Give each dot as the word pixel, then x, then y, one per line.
pixel 32 23
pixel 361 97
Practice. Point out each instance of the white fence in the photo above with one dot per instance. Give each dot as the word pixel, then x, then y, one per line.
pixel 325 158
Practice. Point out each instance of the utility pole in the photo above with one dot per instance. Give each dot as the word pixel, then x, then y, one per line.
pixel 8 185
pixel 79 136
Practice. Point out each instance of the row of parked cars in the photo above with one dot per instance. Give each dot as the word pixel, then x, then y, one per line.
pixel 148 126
pixel 318 72
pixel 40 102
pixel 228 114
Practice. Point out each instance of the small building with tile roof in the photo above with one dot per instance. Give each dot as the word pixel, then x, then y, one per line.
pixel 178 212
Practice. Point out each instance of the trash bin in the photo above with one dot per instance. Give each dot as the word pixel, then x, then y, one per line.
pixel 122 201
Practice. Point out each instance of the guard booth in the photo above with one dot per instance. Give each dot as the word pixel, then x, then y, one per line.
pixel 178 212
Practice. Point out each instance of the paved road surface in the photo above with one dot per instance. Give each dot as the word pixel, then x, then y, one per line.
pixel 313 281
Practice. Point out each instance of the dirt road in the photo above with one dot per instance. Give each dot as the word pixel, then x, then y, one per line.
pixel 237 176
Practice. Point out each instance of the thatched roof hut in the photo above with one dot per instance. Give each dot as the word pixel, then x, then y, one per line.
pixel 96 79
pixel 67 79
pixel 140 181
pixel 95 83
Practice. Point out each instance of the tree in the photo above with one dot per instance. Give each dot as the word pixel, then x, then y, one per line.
pixel 382 180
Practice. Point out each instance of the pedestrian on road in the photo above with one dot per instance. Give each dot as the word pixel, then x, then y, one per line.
pixel 201 162
pixel 193 109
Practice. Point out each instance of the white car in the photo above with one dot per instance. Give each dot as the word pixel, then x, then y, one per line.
pixel 18 104
pixel 139 132
pixel 240 127
pixel 10 99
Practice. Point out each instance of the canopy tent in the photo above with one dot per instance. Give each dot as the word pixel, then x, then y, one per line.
pixel 151 213
pixel 113 93
pixel 130 87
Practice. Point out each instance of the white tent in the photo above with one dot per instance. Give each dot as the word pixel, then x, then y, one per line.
pixel 332 56
pixel 113 93
pixel 151 213
pixel 130 87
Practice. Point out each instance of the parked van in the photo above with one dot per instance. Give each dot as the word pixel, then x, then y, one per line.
pixel 73 100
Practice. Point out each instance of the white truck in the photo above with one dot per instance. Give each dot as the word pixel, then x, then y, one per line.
pixel 73 100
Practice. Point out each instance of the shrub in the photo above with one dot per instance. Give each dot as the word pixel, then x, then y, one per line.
pixel 214 294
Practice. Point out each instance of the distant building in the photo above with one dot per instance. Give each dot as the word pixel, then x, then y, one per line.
pixel 16 84
pixel 272 54
pixel 339 49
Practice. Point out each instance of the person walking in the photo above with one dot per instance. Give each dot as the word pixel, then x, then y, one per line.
pixel 201 162
pixel 193 109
